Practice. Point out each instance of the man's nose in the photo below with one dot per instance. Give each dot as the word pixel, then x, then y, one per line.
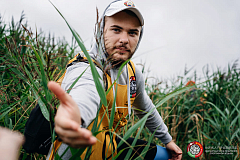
pixel 124 38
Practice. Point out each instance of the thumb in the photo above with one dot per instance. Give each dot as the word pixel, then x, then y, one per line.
pixel 59 92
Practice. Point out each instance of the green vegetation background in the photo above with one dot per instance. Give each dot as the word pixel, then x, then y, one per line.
pixel 209 112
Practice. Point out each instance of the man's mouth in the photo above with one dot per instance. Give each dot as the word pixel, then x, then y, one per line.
pixel 122 50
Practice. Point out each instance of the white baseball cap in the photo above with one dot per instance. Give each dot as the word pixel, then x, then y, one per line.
pixel 120 5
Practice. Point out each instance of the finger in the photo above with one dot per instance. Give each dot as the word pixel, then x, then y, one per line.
pixel 176 156
pixel 66 133
pixel 178 151
pixel 65 123
pixel 83 139
pixel 19 138
pixel 180 156
pixel 80 142
pixel 73 134
pixel 10 143
pixel 85 133
pixel 59 92
pixel 14 136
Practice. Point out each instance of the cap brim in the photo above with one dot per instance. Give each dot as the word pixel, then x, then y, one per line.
pixel 134 10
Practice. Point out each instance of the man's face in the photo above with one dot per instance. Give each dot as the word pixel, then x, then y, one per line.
pixel 121 35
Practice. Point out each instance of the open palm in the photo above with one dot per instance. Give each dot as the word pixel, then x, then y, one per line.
pixel 68 120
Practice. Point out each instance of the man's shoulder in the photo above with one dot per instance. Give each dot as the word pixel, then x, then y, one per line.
pixel 138 72
pixel 80 66
pixel 77 69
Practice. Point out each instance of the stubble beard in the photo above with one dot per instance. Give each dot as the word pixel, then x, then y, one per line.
pixel 116 63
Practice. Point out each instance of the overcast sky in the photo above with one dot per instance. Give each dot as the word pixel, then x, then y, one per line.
pixel 176 33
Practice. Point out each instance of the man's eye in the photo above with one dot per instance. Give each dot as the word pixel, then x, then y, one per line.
pixel 116 30
pixel 133 33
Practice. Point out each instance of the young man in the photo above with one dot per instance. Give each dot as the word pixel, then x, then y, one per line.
pixel 121 31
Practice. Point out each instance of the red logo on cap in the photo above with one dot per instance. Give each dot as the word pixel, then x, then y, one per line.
pixel 129 4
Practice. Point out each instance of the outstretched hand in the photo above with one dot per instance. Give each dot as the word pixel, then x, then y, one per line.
pixel 68 120
pixel 176 152
pixel 10 143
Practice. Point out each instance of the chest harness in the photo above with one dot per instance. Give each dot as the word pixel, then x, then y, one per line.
pixel 107 146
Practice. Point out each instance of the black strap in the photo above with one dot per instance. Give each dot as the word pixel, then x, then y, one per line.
pixel 132 68
pixel 78 59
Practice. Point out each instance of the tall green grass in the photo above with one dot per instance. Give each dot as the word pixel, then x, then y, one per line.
pixel 28 61
pixel 207 112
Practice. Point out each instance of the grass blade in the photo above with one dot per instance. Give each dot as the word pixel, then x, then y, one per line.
pixel 95 74
pixel 69 89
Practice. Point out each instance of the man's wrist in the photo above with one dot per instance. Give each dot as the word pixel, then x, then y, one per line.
pixel 166 138
pixel 168 143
